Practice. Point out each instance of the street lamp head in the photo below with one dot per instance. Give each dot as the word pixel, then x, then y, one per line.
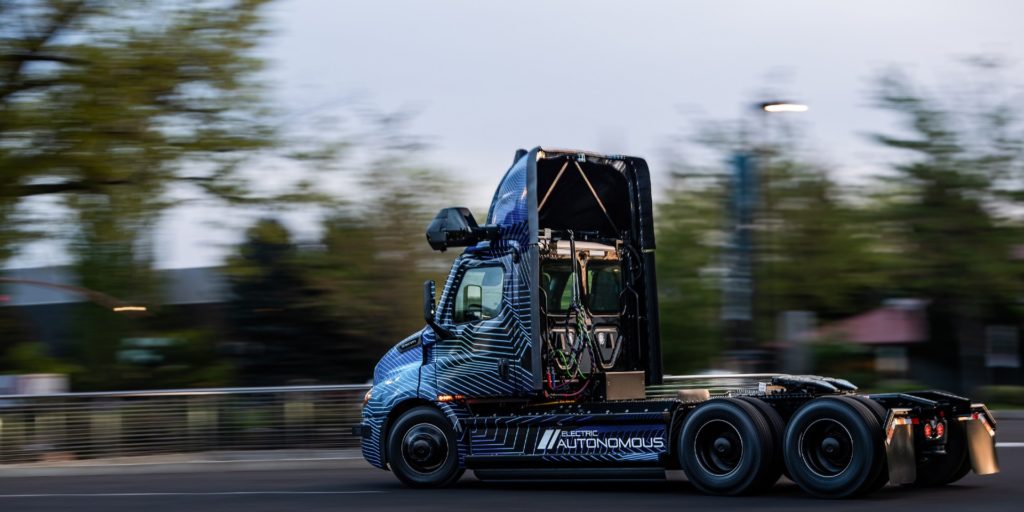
pixel 783 106
pixel 130 309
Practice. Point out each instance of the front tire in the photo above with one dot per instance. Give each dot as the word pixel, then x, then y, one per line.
pixel 423 450
pixel 725 447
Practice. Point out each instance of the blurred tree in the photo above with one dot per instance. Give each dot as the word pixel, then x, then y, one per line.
pixel 949 210
pixel 34 358
pixel 327 311
pixel 375 257
pixel 815 250
pixel 107 98
pixel 108 105
pixel 814 247
pixel 287 334
pixel 690 232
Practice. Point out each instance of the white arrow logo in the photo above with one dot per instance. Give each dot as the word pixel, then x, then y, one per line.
pixel 547 441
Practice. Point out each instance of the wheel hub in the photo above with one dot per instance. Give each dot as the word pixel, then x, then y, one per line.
pixel 830 445
pixel 718 447
pixel 826 446
pixel 425 448
pixel 723 446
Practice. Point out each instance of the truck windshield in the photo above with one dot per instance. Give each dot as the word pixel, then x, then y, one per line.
pixel 604 282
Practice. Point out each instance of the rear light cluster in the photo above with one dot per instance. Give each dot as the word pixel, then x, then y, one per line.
pixel 934 428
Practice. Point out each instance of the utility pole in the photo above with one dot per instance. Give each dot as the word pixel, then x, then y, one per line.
pixel 739 285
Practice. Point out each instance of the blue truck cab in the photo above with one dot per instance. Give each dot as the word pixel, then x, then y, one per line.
pixel 538 358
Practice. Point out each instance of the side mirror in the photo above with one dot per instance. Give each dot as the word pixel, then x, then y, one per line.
pixel 473 302
pixel 456 227
pixel 429 299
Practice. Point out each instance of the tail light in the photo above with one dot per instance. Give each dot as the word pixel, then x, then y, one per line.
pixel 933 429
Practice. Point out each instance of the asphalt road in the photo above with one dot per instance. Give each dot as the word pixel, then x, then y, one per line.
pixel 356 486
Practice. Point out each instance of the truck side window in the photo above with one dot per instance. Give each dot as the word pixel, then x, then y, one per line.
pixel 479 295
pixel 558 287
pixel 604 283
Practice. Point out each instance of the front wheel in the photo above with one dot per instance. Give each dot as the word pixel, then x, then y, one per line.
pixel 422 449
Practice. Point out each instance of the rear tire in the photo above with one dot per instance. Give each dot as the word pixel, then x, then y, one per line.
pixel 881 414
pixel 777 428
pixel 833 448
pixel 725 447
pixel 423 450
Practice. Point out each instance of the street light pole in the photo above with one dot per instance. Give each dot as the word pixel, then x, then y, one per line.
pixel 739 285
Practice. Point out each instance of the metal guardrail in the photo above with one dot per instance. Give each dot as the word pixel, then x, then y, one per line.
pixel 74 426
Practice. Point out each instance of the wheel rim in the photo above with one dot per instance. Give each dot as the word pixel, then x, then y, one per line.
pixel 718 447
pixel 425 448
pixel 826 447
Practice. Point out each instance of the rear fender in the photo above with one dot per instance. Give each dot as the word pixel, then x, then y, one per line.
pixel 899 446
pixel 981 439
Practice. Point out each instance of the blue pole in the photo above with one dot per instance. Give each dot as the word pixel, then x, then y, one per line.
pixel 738 303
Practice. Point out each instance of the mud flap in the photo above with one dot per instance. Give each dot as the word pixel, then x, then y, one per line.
pixel 981 440
pixel 899 447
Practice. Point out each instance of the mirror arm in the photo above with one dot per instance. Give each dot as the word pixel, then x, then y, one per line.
pixel 441 331
pixel 428 311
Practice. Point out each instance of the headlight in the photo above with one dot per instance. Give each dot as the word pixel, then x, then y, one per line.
pixel 367 396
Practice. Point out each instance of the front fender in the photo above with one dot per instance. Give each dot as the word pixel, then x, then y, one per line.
pixel 396 380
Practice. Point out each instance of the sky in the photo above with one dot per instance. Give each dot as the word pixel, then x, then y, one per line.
pixel 488 77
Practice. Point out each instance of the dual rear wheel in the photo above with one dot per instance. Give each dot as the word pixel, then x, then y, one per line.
pixel 832 447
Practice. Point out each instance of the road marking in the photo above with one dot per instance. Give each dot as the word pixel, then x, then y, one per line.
pixel 1009 445
pixel 150 494
pixel 229 461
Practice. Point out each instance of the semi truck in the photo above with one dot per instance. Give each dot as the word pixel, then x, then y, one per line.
pixel 539 357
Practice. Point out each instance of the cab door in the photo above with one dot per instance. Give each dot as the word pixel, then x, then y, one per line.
pixel 479 359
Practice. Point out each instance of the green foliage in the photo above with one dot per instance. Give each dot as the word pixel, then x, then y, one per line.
pixel 945 209
pixel 948 211
pixel 282 318
pixel 815 250
pixel 840 359
pixel 30 357
pixel 118 93
pixel 689 230
pixel 374 259
pixel 326 313
pixel 112 108
pixel 188 360
pixel 1003 397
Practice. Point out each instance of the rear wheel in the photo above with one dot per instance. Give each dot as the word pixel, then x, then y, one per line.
pixel 777 428
pixel 880 414
pixel 725 447
pixel 833 448
pixel 422 449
